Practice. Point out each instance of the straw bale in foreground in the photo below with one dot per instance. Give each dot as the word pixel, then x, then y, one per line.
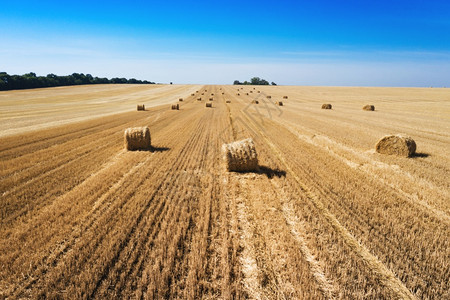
pixel 396 145
pixel 137 138
pixel 240 156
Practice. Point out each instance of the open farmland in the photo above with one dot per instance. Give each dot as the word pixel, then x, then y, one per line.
pixel 325 218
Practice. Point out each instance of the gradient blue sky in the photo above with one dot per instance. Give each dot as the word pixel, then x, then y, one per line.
pixel 351 43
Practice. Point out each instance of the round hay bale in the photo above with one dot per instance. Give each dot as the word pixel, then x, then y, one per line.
pixel 279 103
pixel 193 94
pixel 255 102
pixel 212 94
pixel 269 97
pixel 285 97
pixel 211 99
pixel 208 104
pixel 246 94
pixel 199 99
pixel 326 106
pixel 141 107
pixel 228 101
pixel 396 145
pixel 240 156
pixel 238 94
pixel 369 107
pixel 137 138
pixel 175 107
pixel 203 93
pixel 259 91
pixel 223 93
pixel 181 99
pixel 251 91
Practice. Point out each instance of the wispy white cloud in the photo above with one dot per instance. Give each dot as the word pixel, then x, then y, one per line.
pixel 387 55
pixel 129 58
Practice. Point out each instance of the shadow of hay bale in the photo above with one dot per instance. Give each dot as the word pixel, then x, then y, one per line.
pixel 158 149
pixel 420 154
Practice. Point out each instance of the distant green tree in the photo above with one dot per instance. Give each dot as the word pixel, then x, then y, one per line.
pixel 31 80
pixel 273 83
pixel 253 81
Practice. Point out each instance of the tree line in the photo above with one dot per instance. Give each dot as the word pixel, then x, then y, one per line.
pixel 254 81
pixel 31 81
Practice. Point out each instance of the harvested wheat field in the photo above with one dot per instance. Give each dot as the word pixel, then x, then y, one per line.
pixel 323 216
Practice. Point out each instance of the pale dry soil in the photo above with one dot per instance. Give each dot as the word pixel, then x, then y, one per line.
pixel 325 217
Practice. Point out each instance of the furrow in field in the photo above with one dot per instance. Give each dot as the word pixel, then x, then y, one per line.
pixel 386 228
pixel 155 187
pixel 53 217
pixel 420 192
pixel 20 199
pixel 92 193
pixel 140 241
pixel 39 193
pixel 386 276
pixel 101 235
pixel 37 161
pixel 279 269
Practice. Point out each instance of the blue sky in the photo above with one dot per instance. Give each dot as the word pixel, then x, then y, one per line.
pixel 351 43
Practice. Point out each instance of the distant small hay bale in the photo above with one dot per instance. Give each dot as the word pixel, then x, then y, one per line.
pixel 203 93
pixel 137 138
pixel 279 103
pixel 228 101
pixel 175 106
pixel 254 88
pixel 196 91
pixel 285 97
pixel 141 107
pixel 211 99
pixel 223 93
pixel 208 104
pixel 269 97
pixel 251 91
pixel 240 156
pixel 199 99
pixel 181 99
pixel 396 145
pixel 212 94
pixel 369 107
pixel 326 106
pixel 246 94
pixel 193 94
pixel 238 94
pixel 259 91
pixel 255 102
